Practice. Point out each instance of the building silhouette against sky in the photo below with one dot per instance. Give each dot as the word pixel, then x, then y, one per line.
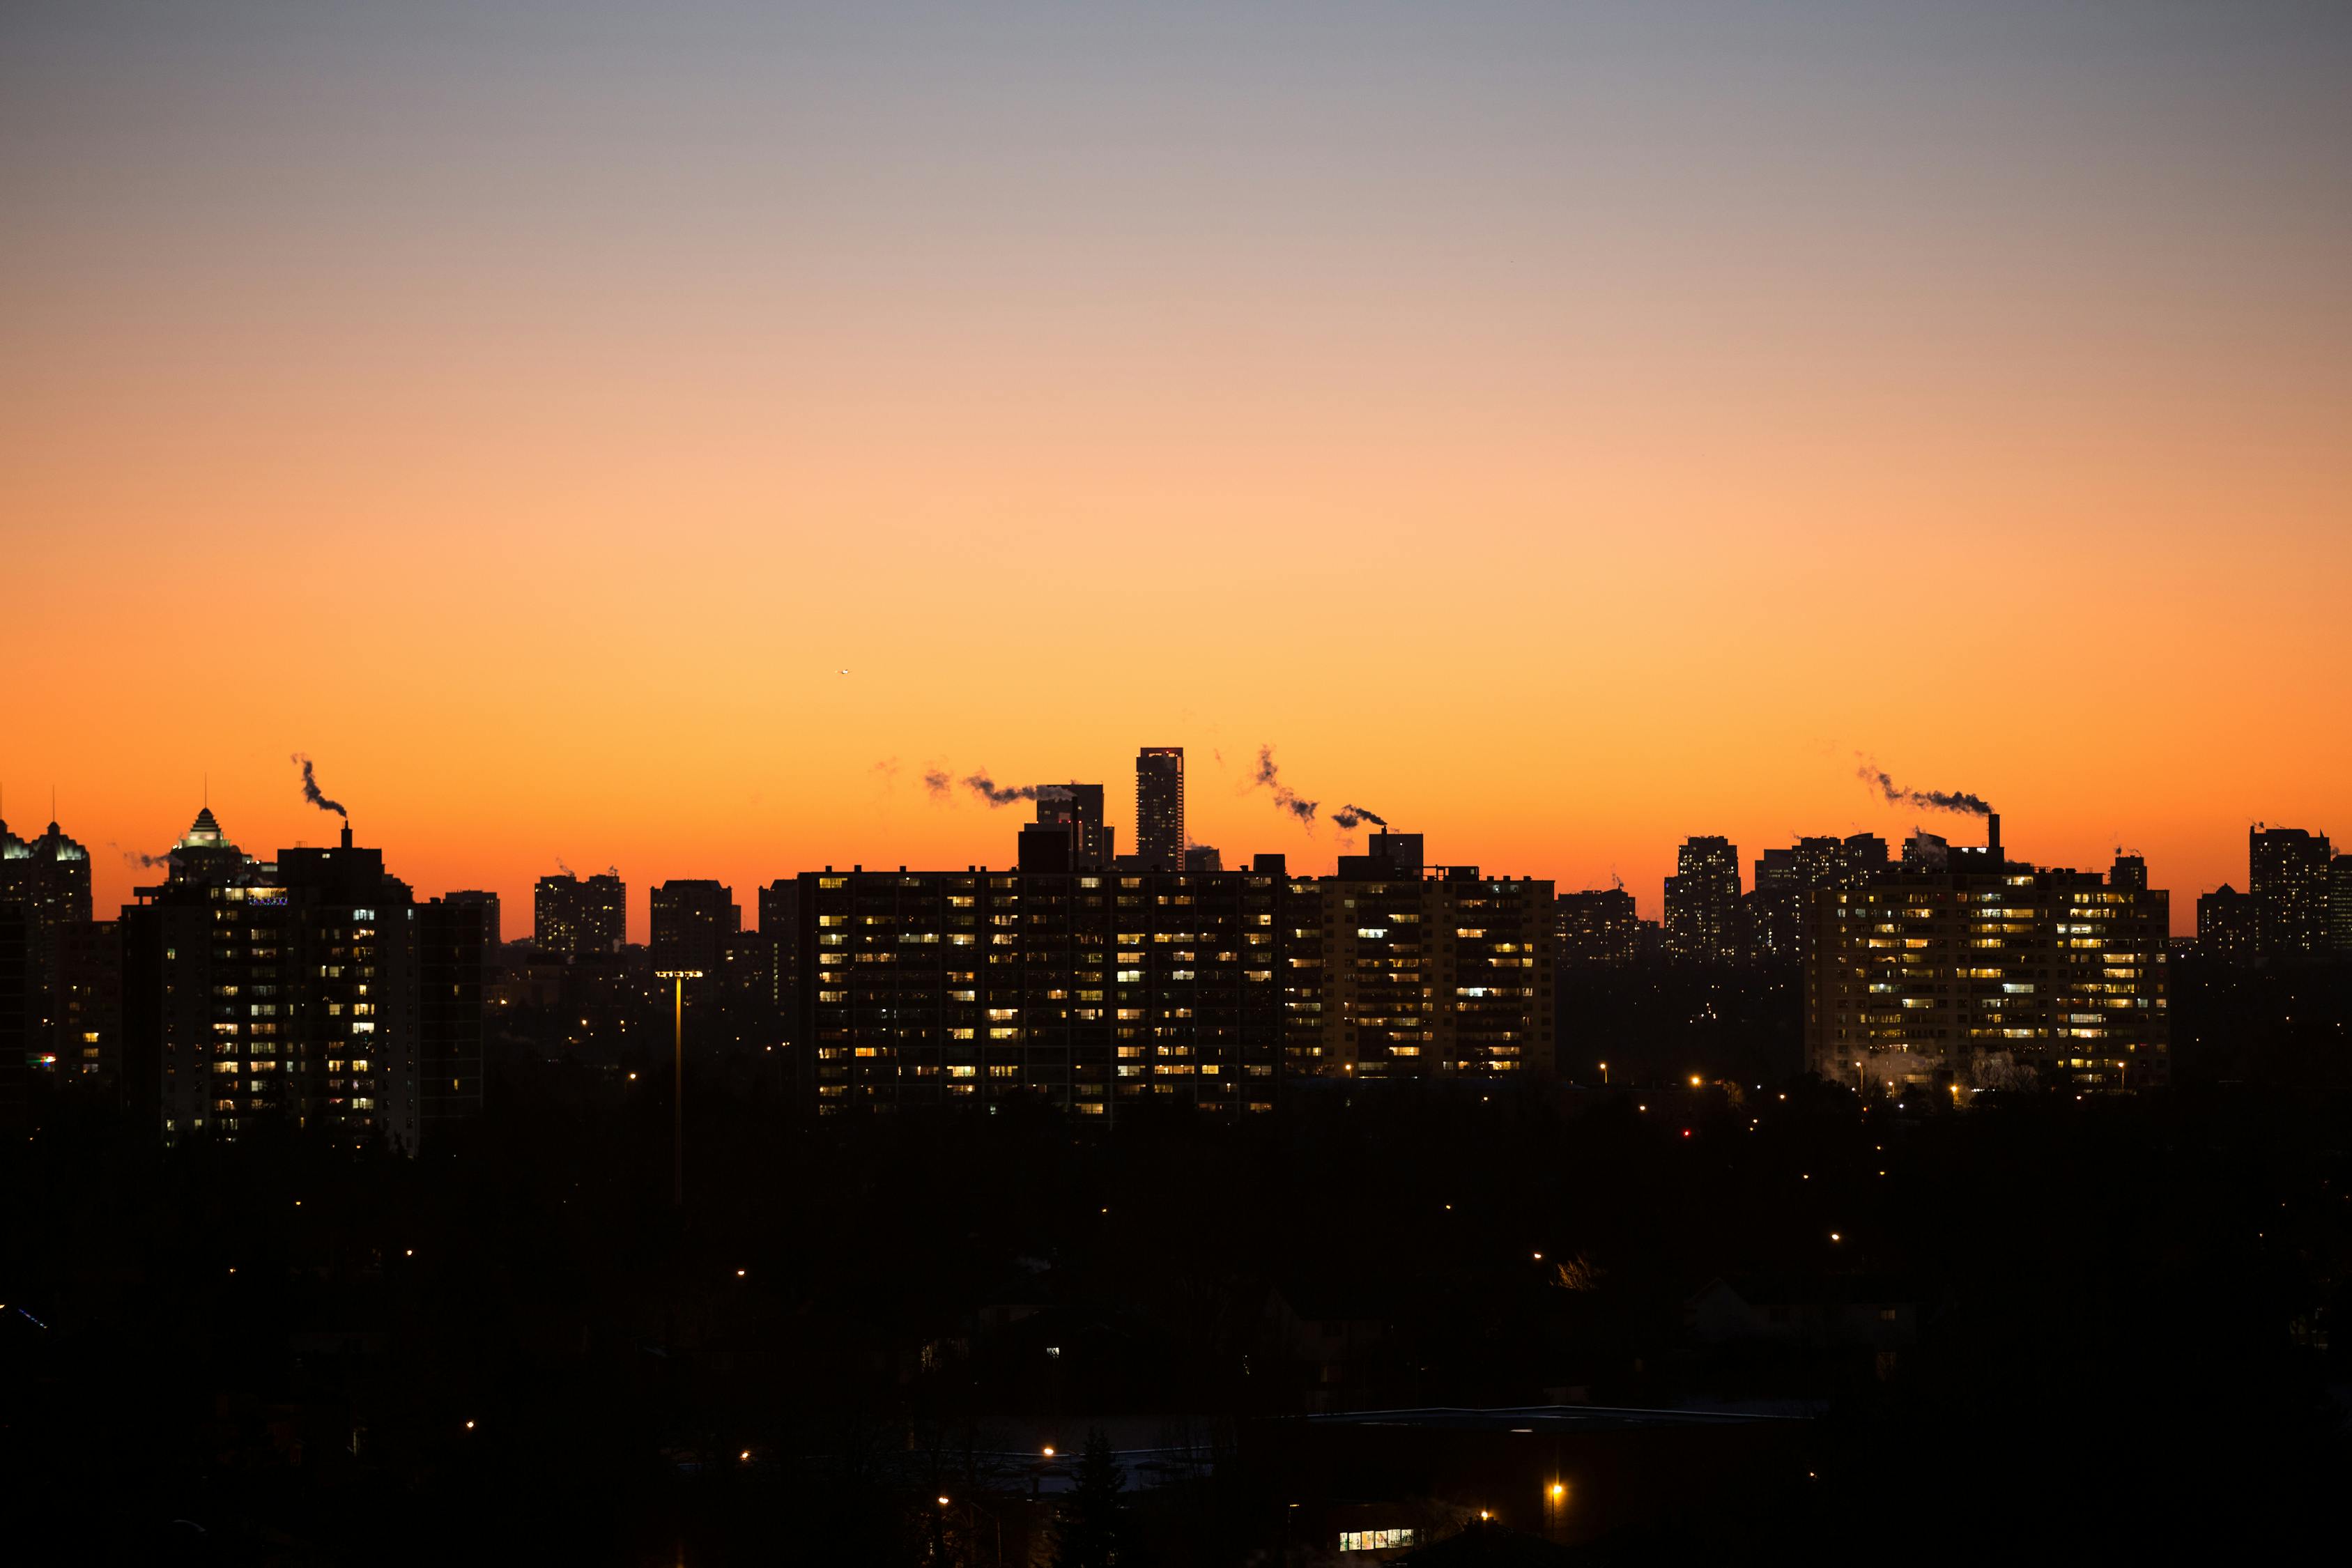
pixel 1702 902
pixel 2288 871
pixel 1159 808
pixel 572 914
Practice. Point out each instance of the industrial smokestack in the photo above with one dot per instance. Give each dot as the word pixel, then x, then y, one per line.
pixel 347 833
pixel 1992 837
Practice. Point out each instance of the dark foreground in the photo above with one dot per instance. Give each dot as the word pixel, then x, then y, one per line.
pixel 2040 1329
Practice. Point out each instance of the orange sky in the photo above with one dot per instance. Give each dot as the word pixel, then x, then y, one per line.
pixel 1557 457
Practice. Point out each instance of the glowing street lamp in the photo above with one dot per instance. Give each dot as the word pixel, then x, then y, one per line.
pixel 677 1092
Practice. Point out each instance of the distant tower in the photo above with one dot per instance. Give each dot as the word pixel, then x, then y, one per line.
pixel 1160 808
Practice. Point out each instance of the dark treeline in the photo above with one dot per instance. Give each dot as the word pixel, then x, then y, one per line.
pixel 272 1351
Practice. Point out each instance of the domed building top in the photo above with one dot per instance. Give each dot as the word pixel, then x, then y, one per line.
pixel 13 848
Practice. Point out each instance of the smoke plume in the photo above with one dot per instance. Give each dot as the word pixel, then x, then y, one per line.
pixel 133 858
pixel 1354 816
pixel 989 790
pixel 936 780
pixel 311 792
pixel 1933 799
pixel 1284 797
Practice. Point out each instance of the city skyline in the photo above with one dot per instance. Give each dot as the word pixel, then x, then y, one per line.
pixel 977 832
pixel 536 420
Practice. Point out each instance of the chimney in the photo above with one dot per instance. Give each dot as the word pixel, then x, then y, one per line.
pixel 1992 838
pixel 347 836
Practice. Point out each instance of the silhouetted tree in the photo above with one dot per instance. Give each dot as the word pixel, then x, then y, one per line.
pixel 1090 1528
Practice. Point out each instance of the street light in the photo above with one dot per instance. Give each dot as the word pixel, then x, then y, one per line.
pixel 678 1089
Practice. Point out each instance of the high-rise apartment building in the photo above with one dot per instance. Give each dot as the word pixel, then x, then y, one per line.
pixel 455 936
pixel 1097 990
pixel 1596 928
pixel 1986 974
pixel 778 907
pixel 1413 975
pixel 2288 876
pixel 256 989
pixel 2225 926
pixel 1701 904
pixel 488 903
pixel 1774 909
pixel 572 914
pixel 1159 808
pixel 89 1045
pixel 48 879
pixel 1080 808
pixel 692 919
pixel 2340 905
pixel 1089 989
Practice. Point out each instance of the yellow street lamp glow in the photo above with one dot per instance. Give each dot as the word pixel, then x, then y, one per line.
pixel 1694 1080
pixel 1049 1450
pixel 1558 1489
pixel 943 1502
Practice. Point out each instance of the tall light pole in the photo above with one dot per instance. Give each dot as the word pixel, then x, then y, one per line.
pixel 677 977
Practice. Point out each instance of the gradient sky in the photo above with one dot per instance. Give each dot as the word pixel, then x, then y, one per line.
pixel 1562 428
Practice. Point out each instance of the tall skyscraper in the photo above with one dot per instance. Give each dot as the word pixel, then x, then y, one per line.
pixel 1703 920
pixel 1159 808
pixel 572 914
pixel 2287 872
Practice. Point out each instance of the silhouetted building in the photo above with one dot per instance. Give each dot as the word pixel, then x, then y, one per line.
pixel 48 878
pixel 1048 847
pixel 1079 807
pixel 1387 858
pixel 780 903
pixel 1701 904
pixel 2340 905
pixel 288 990
pixel 89 1045
pixel 572 914
pixel 1927 852
pixel 492 940
pixel 456 934
pixel 2288 876
pixel 692 919
pixel 1775 908
pixel 1596 928
pixel 747 970
pixel 1989 974
pixel 2128 872
pixel 1201 858
pixel 2225 926
pixel 1159 808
